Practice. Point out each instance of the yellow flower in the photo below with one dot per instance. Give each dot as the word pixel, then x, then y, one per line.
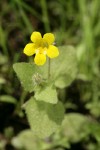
pixel 41 47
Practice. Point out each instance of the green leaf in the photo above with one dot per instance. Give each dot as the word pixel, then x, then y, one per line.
pixel 26 140
pixel 2 80
pixel 30 75
pixel 44 118
pixel 64 67
pixel 47 94
pixel 94 108
pixel 8 99
pixel 94 128
pixel 75 127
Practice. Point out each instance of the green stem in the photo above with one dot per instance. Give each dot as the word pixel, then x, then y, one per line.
pixel 88 36
pixel 45 15
pixel 48 68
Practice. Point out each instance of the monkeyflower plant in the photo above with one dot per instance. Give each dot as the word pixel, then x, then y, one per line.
pixel 52 68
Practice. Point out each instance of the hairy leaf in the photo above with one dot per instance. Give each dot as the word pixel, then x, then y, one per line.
pixel 44 118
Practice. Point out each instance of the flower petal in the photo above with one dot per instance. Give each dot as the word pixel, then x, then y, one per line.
pixel 40 59
pixel 52 51
pixel 36 37
pixel 29 49
pixel 49 38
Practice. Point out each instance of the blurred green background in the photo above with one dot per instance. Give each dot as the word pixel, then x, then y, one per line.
pixel 76 23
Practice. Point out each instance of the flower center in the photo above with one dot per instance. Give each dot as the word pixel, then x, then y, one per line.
pixel 41 50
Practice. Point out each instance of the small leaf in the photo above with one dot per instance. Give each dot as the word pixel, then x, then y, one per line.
pixel 44 118
pixel 63 81
pixel 47 94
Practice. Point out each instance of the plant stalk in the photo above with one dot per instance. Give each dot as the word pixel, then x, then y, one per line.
pixel 49 68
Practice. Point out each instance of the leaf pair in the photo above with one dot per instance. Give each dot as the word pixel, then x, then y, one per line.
pixel 63 72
